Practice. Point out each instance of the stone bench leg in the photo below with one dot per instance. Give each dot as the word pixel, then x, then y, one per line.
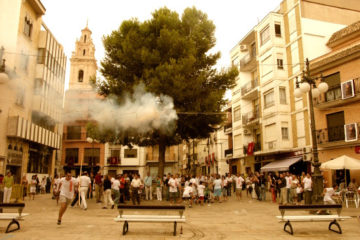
pixel 14 221
pixel 125 228
pixel 175 228
pixel 336 224
pixel 290 227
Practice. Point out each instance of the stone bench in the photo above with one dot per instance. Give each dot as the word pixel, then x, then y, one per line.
pixel 155 214
pixel 14 217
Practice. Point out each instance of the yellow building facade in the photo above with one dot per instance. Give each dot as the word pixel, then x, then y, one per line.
pixel 31 95
pixel 337 111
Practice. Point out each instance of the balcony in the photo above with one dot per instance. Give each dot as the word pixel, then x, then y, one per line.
pixel 334 137
pixel 229 153
pixel 75 136
pixel 333 97
pixel 249 91
pixel 248 62
pixel 113 161
pixel 228 128
pixel 251 118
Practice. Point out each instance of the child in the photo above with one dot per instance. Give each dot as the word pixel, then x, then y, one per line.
pixel 33 184
pixel 200 191
pixel 299 191
pixel 187 195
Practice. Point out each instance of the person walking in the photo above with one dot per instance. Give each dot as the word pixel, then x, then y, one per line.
pixel 283 190
pixel 8 184
pixel 217 188
pixel 85 185
pixel 173 188
pixel 107 192
pixel 116 190
pixel 33 184
pixel 98 187
pixel 67 186
pixel 239 181
pixel 135 188
pixel 24 185
pixel 148 187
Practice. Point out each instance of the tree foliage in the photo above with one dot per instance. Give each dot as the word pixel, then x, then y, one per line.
pixel 170 55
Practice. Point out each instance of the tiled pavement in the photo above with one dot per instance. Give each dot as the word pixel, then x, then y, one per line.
pixel 245 219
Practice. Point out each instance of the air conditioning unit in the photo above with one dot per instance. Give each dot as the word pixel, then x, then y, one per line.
pixel 243 48
pixel 307 154
pixel 307 150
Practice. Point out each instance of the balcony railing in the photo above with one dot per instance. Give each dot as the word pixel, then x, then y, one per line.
pixel 332 134
pixel 249 117
pixel 228 152
pixel 113 161
pixel 249 86
pixel 333 95
pixel 257 147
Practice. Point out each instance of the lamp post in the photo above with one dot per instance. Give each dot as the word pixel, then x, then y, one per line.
pixel 91 160
pixel 308 85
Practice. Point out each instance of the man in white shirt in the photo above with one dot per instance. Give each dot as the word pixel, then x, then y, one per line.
pixel 187 195
pixel 115 186
pixel 328 193
pixel 135 188
pixel 66 189
pixel 288 179
pixel 85 185
pixel 201 194
pixel 173 188
pixel 239 181
pixel 307 188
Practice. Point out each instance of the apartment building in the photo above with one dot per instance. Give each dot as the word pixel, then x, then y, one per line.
pixel 32 81
pixel 122 159
pixel 336 111
pixel 268 123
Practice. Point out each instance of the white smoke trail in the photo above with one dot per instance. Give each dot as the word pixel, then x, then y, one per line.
pixel 142 111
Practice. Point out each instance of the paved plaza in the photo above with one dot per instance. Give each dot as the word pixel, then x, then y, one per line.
pixel 245 219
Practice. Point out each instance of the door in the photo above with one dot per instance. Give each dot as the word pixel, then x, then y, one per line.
pixel 335 125
pixel 233 169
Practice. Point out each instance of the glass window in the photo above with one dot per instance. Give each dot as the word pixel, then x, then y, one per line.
pixel 81 76
pixel 277 30
pixel 282 93
pixel 265 35
pixel 28 26
pixel 130 153
pixel 73 132
pixel 335 125
pixel 41 56
pixel 71 155
pixel 269 99
pixel 285 133
pixel 280 64
pixel 92 156
pixel 237 114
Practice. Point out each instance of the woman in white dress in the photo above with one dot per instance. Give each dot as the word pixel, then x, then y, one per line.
pixel 33 184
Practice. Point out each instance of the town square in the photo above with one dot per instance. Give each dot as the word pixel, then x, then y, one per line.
pixel 169 119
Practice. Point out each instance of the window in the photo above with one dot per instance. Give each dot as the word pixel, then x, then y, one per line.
pixel 130 153
pixel 81 76
pixel 237 114
pixel 115 153
pixel 285 133
pixel 28 26
pixel 269 99
pixel 84 52
pixel 265 35
pixel 73 132
pixel 280 64
pixel 335 126
pixel 92 156
pixel 41 56
pixel 334 92
pixel 277 30
pixel 20 95
pixel 85 38
pixel 71 155
pixel 282 94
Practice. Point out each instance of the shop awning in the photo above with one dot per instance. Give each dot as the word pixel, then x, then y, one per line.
pixel 280 165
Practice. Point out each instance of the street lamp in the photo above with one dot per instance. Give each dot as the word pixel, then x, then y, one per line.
pixel 308 85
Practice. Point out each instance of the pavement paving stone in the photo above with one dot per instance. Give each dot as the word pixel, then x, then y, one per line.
pixel 245 219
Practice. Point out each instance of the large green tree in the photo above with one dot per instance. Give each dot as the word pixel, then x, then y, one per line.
pixel 170 55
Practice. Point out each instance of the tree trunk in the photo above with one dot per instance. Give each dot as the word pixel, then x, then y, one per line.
pixel 162 149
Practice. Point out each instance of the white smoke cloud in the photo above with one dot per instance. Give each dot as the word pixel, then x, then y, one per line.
pixel 141 111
